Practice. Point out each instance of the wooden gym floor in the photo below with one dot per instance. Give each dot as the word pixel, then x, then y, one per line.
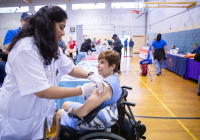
pixel 168 95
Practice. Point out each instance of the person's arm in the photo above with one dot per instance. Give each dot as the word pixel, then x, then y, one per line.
pixel 79 73
pixel 6 48
pixel 59 92
pixel 152 50
pixel 165 48
pixel 62 92
pixel 64 48
pixel 8 38
pixel 93 101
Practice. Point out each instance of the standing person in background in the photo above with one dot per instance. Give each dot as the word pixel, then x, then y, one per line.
pixel 99 42
pixel 3 60
pixel 25 17
pixel 131 44
pixel 125 47
pixel 94 42
pixel 117 47
pixel 86 46
pixel 106 42
pixel 62 45
pixel 160 53
pixel 72 43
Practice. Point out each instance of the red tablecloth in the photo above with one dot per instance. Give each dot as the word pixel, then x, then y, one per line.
pixel 144 53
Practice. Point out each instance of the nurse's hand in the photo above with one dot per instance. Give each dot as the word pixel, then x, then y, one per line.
pixel 70 112
pixel 87 88
pixel 99 82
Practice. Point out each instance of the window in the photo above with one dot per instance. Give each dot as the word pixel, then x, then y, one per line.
pixel 14 9
pixel 63 6
pixel 89 6
pixel 123 5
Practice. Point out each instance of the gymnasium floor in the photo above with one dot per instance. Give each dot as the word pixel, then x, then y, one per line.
pixel 168 95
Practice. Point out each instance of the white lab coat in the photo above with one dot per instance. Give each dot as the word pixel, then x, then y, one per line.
pixel 22 113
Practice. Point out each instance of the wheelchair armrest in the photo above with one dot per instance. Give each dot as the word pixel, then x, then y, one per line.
pixel 77 117
pixel 126 87
pixel 125 103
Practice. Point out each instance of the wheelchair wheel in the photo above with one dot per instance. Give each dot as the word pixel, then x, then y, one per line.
pixel 104 135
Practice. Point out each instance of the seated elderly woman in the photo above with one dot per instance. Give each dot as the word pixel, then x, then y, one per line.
pixel 108 62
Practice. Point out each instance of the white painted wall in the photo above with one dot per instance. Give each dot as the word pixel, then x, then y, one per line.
pixel 95 22
pixel 181 21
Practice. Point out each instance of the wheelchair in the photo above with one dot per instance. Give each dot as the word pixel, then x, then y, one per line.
pixel 126 128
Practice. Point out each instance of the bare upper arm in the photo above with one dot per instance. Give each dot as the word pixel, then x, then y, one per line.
pixel 96 99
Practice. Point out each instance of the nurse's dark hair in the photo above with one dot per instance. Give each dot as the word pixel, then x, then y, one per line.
pixel 158 38
pixel 42 28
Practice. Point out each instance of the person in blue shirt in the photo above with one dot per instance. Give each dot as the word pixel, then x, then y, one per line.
pixel 195 46
pixel 93 48
pixel 3 60
pixel 108 62
pixel 62 45
pixel 131 44
pixel 198 48
pixel 159 51
pixel 125 46
pixel 25 17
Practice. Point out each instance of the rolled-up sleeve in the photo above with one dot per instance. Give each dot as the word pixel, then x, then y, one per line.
pixel 29 72
pixel 66 65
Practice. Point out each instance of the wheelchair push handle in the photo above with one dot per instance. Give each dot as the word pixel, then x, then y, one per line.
pixel 126 103
pixel 126 87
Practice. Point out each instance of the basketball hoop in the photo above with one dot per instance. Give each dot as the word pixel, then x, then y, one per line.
pixel 133 11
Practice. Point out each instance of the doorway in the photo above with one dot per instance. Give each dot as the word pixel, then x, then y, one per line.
pixel 123 38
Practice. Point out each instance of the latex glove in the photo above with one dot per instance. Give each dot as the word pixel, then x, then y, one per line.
pixel 99 82
pixel 87 88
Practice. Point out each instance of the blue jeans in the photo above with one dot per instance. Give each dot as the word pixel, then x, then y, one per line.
pixel 159 65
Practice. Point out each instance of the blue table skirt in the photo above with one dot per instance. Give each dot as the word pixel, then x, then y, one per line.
pixel 59 102
pixel 177 64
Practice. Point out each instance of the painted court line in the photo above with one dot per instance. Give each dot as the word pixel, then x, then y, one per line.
pixel 184 127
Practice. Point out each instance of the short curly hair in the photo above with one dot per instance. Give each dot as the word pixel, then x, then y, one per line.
pixel 111 56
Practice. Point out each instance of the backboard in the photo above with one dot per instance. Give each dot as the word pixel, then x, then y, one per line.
pixel 139 5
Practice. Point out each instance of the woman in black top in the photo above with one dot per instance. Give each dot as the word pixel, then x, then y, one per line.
pixel 86 46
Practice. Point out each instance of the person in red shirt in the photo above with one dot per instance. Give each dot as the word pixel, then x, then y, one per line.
pixel 99 41
pixel 72 43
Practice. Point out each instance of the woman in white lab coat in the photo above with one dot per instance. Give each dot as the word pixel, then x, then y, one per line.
pixel 34 68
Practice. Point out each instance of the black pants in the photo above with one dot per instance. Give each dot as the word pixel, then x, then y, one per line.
pixel 119 51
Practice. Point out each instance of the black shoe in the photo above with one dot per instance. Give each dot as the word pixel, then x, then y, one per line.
pixel 48 138
pixel 160 73
pixel 157 74
pixel 198 94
